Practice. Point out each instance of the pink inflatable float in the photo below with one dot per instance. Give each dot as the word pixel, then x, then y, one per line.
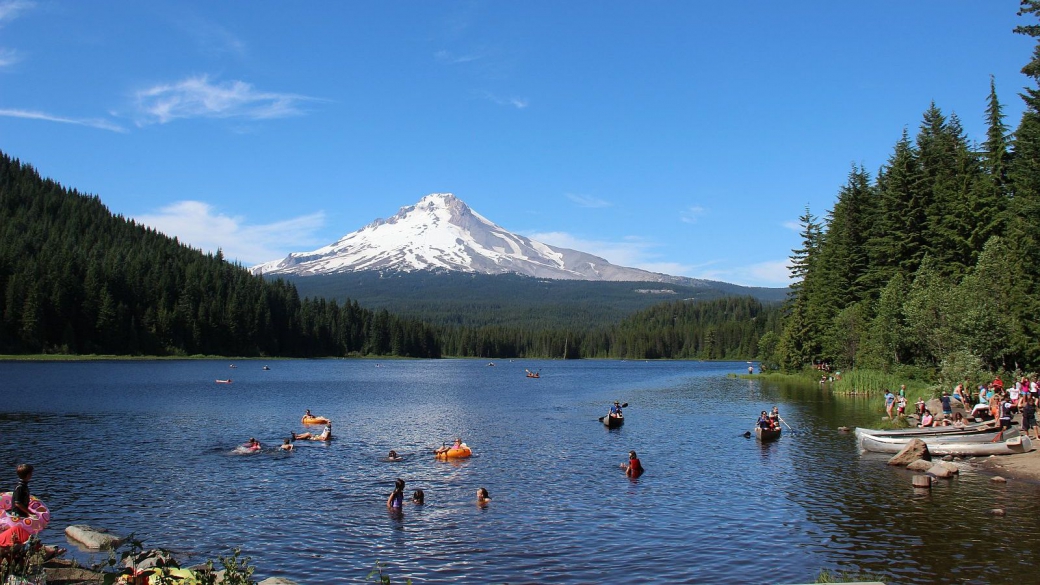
pixel 33 524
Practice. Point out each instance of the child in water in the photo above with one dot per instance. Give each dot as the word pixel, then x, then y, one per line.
pixel 482 496
pixel 396 499
pixel 418 497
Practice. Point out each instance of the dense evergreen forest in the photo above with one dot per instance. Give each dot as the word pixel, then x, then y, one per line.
pixel 934 262
pixel 727 328
pixel 75 279
pixel 512 300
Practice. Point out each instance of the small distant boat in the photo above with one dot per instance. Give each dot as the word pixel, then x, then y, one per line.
pixel 491 364
pixel 531 374
pixel 766 435
pixel 232 366
pixel 228 381
pixel 266 368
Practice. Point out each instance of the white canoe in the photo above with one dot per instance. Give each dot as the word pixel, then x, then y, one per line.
pixel 945 446
pixel 927 431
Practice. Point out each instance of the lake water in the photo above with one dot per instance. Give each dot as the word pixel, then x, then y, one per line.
pixel 147 447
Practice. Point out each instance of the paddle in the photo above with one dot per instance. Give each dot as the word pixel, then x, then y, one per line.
pixel 785 422
pixel 600 419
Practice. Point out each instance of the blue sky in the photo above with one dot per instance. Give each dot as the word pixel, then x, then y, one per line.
pixel 684 137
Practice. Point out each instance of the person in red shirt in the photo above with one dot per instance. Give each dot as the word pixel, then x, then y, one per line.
pixel 633 468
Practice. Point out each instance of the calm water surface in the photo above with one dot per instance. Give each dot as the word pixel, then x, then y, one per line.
pixel 147 447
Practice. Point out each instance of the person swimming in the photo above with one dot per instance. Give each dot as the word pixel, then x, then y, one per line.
pixel 483 496
pixel 418 497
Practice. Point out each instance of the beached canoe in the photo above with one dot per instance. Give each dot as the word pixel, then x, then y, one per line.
pixel 925 431
pixel 766 435
pixel 949 446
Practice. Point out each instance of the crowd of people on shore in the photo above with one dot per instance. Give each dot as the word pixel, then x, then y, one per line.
pixel 991 401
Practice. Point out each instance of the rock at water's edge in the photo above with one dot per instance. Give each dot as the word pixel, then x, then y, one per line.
pixel 92 538
pixel 914 450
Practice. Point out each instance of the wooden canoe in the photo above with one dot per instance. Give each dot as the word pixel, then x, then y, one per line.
pixel 613 421
pixel 766 435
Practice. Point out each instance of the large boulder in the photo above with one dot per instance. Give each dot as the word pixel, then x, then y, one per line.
pixel 916 449
pixel 92 538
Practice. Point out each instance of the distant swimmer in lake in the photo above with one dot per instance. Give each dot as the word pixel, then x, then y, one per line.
pixel 393 456
pixel 633 468
pixel 483 496
pixel 253 445
pixel 418 497
pixel 396 499
pixel 286 445
pixel 300 437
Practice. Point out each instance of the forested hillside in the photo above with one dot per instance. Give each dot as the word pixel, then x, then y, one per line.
pixel 934 262
pixel 727 328
pixel 76 279
pixel 512 300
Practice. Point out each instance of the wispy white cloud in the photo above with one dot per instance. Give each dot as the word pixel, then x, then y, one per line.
pixel 12 9
pixel 631 252
pixel 641 253
pixel 198 97
pixel 691 213
pixel 588 200
pixel 91 122
pixel 794 226
pixel 449 58
pixel 214 38
pixel 8 57
pixel 199 225
pixel 516 102
pixel 773 273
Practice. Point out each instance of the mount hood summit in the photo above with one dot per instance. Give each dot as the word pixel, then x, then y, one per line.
pixel 441 233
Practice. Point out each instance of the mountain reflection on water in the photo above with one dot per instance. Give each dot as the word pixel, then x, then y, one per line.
pixel 147 447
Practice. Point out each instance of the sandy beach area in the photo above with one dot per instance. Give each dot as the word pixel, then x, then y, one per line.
pixel 1024 466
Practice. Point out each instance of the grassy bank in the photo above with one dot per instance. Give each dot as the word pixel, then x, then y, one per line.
pixel 860 381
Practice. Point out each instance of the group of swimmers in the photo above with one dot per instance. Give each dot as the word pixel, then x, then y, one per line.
pixel 254 446
pixel 396 500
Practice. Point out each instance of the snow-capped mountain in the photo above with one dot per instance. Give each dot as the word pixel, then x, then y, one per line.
pixel 442 233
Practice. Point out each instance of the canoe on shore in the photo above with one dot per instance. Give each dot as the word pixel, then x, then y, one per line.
pixel 925 431
pixel 766 435
pixel 950 446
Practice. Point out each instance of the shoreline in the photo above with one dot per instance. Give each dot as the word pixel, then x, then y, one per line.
pixel 1018 466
